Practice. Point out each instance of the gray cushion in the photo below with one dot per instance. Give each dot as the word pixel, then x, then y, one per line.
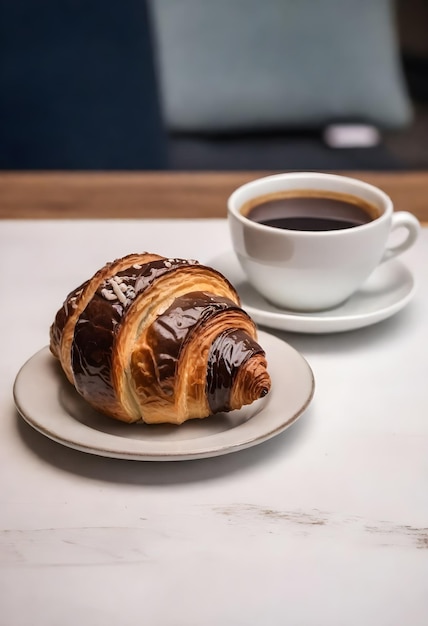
pixel 238 65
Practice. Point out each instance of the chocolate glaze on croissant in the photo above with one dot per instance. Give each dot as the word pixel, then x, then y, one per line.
pixel 159 340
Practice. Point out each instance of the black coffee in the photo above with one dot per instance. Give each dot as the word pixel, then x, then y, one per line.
pixel 310 211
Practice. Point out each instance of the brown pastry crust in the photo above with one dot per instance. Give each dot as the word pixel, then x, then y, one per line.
pixel 62 330
pixel 153 339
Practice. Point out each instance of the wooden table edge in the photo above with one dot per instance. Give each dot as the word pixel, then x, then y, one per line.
pixel 164 195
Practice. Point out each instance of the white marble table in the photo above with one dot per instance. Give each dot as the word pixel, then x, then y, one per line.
pixel 326 524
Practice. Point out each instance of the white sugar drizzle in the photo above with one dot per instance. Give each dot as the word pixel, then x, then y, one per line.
pixel 117 289
pixel 108 295
pixel 73 300
pixel 116 286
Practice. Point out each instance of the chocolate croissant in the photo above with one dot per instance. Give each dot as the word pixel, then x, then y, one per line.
pixel 159 340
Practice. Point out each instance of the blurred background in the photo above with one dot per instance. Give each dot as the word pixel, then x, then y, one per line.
pixel 203 85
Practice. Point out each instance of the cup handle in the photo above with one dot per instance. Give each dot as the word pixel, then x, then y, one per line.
pixel 402 219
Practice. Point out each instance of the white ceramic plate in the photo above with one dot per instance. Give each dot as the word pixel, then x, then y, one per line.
pixel 47 401
pixel 387 291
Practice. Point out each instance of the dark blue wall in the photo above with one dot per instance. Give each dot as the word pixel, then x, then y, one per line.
pixel 77 86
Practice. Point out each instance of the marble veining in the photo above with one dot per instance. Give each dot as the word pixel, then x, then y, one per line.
pixel 385 533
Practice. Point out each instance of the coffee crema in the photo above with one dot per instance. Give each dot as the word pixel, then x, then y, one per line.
pixel 310 210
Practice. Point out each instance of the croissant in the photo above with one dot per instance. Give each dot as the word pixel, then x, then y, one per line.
pixel 159 340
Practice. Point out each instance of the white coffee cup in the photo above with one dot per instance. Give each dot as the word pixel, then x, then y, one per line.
pixel 308 270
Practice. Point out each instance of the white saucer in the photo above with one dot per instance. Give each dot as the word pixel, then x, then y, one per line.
pixel 48 402
pixel 389 289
